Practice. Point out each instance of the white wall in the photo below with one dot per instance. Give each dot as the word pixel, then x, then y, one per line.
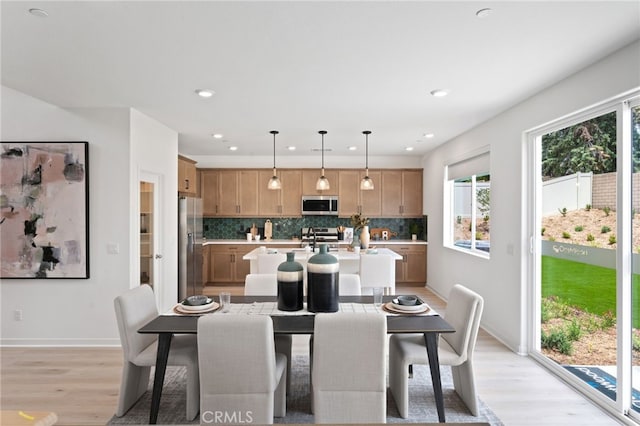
pixel 80 312
pixel 501 280
pixel 154 149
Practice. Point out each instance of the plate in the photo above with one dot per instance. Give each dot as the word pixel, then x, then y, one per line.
pixel 420 305
pixel 202 309
pixel 417 309
pixel 197 309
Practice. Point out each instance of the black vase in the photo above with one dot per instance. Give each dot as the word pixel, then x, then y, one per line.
pixel 290 285
pixel 323 282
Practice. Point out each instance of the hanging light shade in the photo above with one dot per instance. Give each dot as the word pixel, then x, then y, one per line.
pixel 323 183
pixel 274 182
pixel 366 183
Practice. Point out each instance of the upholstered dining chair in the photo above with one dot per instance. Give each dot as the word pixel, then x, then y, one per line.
pixel 463 312
pixel 349 380
pixel 267 285
pixel 349 285
pixel 241 375
pixel 377 270
pixel 134 309
pixel 268 262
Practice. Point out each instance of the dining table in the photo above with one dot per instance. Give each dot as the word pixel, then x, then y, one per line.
pixel 166 325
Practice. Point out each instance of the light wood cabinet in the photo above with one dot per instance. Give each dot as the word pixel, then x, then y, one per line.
pixel 282 202
pixel 237 193
pixel 226 264
pixel 209 192
pixel 310 177
pixel 413 266
pixel 353 199
pixel 206 253
pixel 402 193
pixel 187 176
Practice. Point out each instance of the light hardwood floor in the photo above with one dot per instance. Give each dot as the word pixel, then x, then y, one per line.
pixel 81 384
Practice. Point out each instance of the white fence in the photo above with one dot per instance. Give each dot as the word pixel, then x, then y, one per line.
pixel 462 198
pixel 572 191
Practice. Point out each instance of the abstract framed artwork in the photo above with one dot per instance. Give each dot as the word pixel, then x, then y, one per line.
pixel 44 210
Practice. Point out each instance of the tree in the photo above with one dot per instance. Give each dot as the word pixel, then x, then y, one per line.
pixel 589 146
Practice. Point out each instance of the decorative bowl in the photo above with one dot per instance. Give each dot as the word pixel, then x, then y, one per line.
pixel 407 300
pixel 197 300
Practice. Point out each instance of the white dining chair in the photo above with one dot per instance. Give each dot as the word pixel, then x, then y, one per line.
pixel 349 285
pixel 463 312
pixel 377 270
pixel 267 285
pixel 241 375
pixel 134 309
pixel 268 262
pixel 261 285
pixel 349 368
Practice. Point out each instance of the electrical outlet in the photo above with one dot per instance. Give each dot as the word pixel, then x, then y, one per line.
pixel 17 315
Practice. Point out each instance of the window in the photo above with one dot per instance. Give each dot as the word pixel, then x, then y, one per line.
pixel 469 188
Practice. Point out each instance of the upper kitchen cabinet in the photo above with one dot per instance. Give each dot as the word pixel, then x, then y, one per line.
pixel 238 193
pixel 310 177
pixel 229 192
pixel 353 199
pixel 281 202
pixel 401 193
pixel 209 192
pixel 187 177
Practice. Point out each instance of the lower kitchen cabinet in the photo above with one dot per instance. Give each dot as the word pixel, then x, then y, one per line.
pixel 412 269
pixel 226 265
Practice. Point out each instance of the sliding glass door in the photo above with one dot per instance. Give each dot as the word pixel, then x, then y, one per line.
pixel 585 197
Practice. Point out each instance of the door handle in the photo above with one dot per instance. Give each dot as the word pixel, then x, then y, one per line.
pixel 158 256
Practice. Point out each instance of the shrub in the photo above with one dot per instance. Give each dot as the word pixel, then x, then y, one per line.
pixel 479 236
pixel 542 230
pixel 485 219
pixel 563 211
pixel 605 229
pixel 459 220
pixel 557 340
pixel 588 207
pixel 635 339
pixel 608 320
pixel 590 237
pixel 579 228
pixel 606 210
pixel 574 331
pixel 612 239
pixel 552 239
pixel 566 235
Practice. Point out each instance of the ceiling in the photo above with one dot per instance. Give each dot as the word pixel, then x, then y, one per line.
pixel 300 66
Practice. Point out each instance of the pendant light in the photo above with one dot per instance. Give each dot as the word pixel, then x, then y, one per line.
pixel 366 183
pixel 274 182
pixel 323 183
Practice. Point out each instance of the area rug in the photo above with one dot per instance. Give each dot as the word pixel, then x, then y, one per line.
pixel 421 401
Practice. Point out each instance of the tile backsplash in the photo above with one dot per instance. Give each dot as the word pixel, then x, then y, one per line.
pixel 288 227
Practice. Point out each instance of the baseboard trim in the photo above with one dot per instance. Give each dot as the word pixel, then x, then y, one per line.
pixel 43 342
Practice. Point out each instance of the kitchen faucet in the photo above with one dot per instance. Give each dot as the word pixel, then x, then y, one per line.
pixel 310 232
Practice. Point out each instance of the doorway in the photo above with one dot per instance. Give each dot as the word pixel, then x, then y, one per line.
pixel 149 236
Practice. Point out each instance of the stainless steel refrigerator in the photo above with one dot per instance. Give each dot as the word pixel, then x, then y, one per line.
pixel 190 239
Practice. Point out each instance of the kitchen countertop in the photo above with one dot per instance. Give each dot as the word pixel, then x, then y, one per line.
pixel 341 254
pixel 373 243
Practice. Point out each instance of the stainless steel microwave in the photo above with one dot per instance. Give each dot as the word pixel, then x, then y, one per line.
pixel 320 205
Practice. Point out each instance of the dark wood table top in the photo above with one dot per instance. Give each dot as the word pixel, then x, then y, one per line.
pixel 302 324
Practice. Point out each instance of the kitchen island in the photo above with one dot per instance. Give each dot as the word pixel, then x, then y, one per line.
pixel 349 260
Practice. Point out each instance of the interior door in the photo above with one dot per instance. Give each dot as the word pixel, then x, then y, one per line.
pixel 149 240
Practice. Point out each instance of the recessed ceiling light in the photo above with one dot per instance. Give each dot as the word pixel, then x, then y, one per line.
pixel 291 148
pixel 439 93
pixel 353 148
pixel 205 93
pixel 483 13
pixel 233 148
pixel 38 12
pixel 409 148
pixel 428 135
pixel 217 135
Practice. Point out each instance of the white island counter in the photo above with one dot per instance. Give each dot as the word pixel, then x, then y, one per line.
pixel 349 261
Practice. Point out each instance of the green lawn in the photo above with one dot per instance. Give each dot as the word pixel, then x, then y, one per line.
pixel 591 288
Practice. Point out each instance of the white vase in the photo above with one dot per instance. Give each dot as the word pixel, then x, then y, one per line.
pixel 364 237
